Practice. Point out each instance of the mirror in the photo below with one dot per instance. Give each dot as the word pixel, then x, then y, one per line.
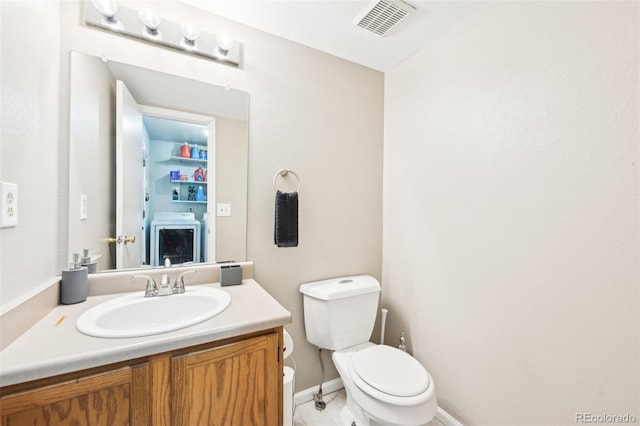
pixel 157 167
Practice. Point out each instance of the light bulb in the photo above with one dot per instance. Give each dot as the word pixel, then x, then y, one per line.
pixel 108 9
pixel 224 42
pixel 150 19
pixel 190 33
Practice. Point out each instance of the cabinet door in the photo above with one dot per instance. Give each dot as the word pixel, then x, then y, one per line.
pixel 117 397
pixel 236 384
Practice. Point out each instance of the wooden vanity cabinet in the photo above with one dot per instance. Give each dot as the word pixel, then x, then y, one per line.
pixel 118 397
pixel 234 384
pixel 236 381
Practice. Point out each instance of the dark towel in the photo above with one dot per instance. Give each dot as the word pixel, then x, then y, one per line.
pixel 286 223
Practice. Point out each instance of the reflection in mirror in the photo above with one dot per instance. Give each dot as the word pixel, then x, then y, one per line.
pixel 158 167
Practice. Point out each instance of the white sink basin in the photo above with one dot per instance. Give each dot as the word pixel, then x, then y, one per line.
pixel 134 315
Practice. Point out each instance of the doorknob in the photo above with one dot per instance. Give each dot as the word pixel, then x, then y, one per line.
pixel 129 239
pixel 112 240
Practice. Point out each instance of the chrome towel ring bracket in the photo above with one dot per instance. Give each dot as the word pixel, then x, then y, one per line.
pixel 283 173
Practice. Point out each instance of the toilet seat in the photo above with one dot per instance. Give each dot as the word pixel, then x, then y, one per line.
pixel 390 375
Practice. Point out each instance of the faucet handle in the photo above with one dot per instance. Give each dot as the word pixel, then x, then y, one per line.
pixel 152 287
pixel 178 287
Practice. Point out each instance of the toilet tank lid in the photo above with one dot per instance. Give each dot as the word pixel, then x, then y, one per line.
pixel 338 288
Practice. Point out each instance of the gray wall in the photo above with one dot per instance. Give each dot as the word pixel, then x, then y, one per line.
pixel 230 146
pixel 92 151
pixel 511 212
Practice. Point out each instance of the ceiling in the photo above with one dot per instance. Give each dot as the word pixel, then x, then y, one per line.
pixel 162 90
pixel 164 129
pixel 328 25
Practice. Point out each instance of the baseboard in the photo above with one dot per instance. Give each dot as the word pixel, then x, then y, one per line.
pixel 307 394
pixel 336 384
pixel 447 419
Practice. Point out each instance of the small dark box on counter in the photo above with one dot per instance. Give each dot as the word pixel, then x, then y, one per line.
pixel 230 275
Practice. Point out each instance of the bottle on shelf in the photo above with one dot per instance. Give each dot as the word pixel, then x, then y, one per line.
pixel 200 194
pixel 185 151
pixel 198 175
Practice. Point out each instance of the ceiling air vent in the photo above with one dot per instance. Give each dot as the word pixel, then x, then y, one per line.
pixel 382 15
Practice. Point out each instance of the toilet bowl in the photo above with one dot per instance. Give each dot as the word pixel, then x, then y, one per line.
pixel 384 385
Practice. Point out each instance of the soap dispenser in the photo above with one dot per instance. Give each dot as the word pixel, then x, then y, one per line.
pixel 74 286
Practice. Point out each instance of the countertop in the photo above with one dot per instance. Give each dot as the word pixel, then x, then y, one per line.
pixel 53 345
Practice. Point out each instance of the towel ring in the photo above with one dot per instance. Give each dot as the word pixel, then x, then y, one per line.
pixel 283 173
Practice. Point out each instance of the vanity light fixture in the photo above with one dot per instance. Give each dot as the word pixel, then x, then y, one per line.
pixel 186 38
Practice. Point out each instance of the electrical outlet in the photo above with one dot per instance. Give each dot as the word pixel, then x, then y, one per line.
pixel 223 209
pixel 8 204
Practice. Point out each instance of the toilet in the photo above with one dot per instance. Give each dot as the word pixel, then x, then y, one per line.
pixel 384 385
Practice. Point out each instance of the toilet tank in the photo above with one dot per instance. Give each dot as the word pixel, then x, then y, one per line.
pixel 340 312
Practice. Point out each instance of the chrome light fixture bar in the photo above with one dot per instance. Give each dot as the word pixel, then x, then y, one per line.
pixel 149 26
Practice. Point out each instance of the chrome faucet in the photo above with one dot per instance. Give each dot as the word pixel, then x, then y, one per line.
pixel 152 287
pixel 178 286
pixel 165 288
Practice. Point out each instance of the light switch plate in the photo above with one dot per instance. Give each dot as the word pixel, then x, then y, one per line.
pixel 223 209
pixel 83 206
pixel 8 204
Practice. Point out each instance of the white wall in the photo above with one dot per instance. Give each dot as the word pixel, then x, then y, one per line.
pixel 311 112
pixel 29 80
pixel 511 212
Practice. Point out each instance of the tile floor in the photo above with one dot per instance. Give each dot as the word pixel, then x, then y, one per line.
pixel 307 415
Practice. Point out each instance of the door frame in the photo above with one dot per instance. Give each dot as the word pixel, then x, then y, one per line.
pixel 129 129
pixel 206 120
